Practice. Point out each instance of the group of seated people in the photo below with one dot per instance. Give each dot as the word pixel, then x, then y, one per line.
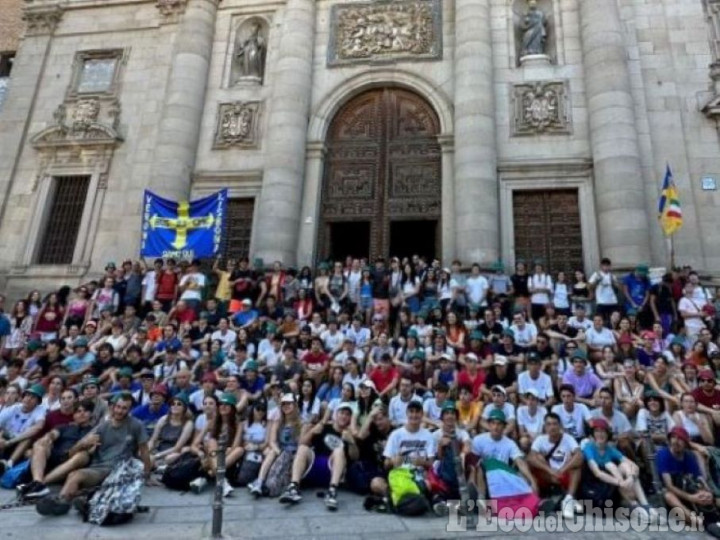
pixel 343 400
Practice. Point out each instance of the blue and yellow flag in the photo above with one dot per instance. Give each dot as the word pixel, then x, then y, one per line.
pixel 669 211
pixel 183 229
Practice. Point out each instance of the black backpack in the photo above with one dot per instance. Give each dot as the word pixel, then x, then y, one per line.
pixel 179 474
pixel 412 505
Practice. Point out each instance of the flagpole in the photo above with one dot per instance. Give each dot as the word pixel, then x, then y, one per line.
pixel 671 245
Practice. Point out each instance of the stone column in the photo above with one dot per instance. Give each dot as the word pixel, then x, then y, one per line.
pixel 179 130
pixel 448 200
pixel 619 193
pixel 278 220
pixel 476 185
pixel 309 218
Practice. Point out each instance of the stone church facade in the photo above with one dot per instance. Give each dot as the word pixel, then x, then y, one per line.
pixel 362 127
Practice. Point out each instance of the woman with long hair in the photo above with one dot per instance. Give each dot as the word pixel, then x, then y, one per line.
pixel 607 368
pixel 303 305
pixel 49 318
pixel 444 289
pixel 455 332
pixel 659 380
pixel 347 396
pixel 581 293
pixel 55 388
pixel 255 434
pixel 410 288
pixel 628 390
pixel 366 397
pixel 172 432
pixel 34 303
pixel 308 403
pixel 282 443
pixel 21 324
pixel 77 308
pixel 698 427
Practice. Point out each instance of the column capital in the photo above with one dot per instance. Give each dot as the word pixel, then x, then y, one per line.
pixel 42 19
pixel 446 142
pixel 316 149
pixel 171 10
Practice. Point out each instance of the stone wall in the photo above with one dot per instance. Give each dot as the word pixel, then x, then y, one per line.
pixel 11 24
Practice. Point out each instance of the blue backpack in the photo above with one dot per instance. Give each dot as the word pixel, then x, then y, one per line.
pixel 16 475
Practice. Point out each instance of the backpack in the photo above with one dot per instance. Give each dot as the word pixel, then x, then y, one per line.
pixel 406 495
pixel 179 474
pixel 117 499
pixel 15 475
pixel 713 469
pixel 279 474
pixel 248 469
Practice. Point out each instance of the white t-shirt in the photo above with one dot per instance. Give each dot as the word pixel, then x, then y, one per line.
pixel 573 423
pixel 330 341
pixel 619 423
pixel 196 293
pixel 227 339
pixel 508 409
pixel 693 325
pixel 432 409
pixel 599 339
pixel 540 281
pixel 150 284
pixel 604 291
pixel 13 421
pixel 524 336
pixel 543 385
pixel 533 424
pixel 410 445
pixel 397 410
pixel 477 287
pixel 561 455
pixel 646 422
pixel 355 381
pixel 198 396
pixel 583 325
pixel 561 296
pixel 504 450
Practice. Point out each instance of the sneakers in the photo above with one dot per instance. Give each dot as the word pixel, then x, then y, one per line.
pixel 52 506
pixel 291 494
pixel 227 488
pixel 198 485
pixel 255 488
pixel 440 508
pixel 568 507
pixel 331 499
pixel 33 490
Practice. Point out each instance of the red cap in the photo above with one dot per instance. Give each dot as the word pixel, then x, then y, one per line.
pixel 159 389
pixel 600 423
pixel 706 374
pixel 647 334
pixel 681 433
pixel 209 377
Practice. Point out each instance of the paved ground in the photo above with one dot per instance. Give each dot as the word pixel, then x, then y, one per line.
pixel 179 516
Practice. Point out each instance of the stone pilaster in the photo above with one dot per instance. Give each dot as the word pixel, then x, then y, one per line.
pixel 476 185
pixel 278 223
pixel 179 130
pixel 619 193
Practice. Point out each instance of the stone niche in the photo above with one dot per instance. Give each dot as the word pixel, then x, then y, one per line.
pixel 385 31
pixel 249 52
pixel 520 8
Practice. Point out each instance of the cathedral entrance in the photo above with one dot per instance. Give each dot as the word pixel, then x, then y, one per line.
pixel 382 178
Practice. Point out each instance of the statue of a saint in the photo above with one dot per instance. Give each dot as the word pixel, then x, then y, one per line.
pixel 534 32
pixel 250 55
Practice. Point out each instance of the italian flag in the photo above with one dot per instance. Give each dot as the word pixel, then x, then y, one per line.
pixel 509 489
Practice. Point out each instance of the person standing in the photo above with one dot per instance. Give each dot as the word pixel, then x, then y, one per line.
pixel 604 283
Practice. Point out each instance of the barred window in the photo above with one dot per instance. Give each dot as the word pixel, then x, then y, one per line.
pixel 63 222
pixel 238 228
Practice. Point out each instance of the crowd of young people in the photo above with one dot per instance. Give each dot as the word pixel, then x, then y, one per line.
pixel 338 376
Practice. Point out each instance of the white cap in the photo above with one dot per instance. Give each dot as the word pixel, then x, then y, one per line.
pixel 500 389
pixel 500 360
pixel 367 383
pixel 287 398
pixel 471 356
pixel 532 392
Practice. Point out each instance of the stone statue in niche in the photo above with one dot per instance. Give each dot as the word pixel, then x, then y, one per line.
pixel 249 55
pixel 534 30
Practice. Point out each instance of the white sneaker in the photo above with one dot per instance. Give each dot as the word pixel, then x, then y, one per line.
pixel 227 488
pixel 568 507
pixel 578 507
pixel 197 485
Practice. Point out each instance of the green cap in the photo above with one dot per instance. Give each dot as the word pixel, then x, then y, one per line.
pixel 632 311
pixel 498 266
pixel 477 334
pixel 37 390
pixel 474 307
pixel 418 354
pixel 124 372
pixel 449 405
pixel 323 266
pixel 258 263
pixel 183 397
pixel 508 332
pixel 270 328
pixel 678 341
pixel 579 354
pixel 34 344
pixel 81 342
pixel 498 415
pixel 413 334
pixel 642 269
pixel 228 398
pixel 422 314
pixel 252 365
pixel 91 380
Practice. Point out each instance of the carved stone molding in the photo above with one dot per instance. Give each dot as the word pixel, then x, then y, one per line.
pixel 237 124
pixel 385 31
pixel 540 108
pixel 41 20
pixel 171 10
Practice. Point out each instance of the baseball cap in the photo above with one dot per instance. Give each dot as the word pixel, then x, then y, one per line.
pixel 477 334
pixel 209 377
pixel 532 392
pixel 34 344
pixel 37 390
pixel 247 302
pixel 344 405
pixel 252 365
pixel 159 389
pixel 414 405
pixel 287 398
pixel 88 382
pixel 228 399
pixel 498 388
pixel 706 374
pixel 579 355
pixel 534 358
pixel 124 372
pixel 448 405
pixel 182 397
pixel 80 342
pixel 471 357
pixel 500 360
pixel 497 415
pixel 600 423
pixel 446 356
pixel 681 433
pixel 367 383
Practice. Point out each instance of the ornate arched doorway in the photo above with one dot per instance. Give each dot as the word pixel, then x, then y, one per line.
pixel 381 189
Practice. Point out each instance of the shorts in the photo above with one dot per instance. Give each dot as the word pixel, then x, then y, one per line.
pixel 544 483
pixel 55 460
pixel 318 473
pixel 366 303
pixel 94 476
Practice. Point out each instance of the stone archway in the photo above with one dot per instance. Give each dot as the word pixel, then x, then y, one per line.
pixel 382 178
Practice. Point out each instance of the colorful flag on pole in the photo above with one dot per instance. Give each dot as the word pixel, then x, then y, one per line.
pixel 669 211
pixel 183 229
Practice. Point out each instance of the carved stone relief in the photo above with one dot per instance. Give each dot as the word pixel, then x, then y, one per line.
pixel 249 52
pixel 237 124
pixel 385 31
pixel 540 108
pixel 171 10
pixel 41 20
